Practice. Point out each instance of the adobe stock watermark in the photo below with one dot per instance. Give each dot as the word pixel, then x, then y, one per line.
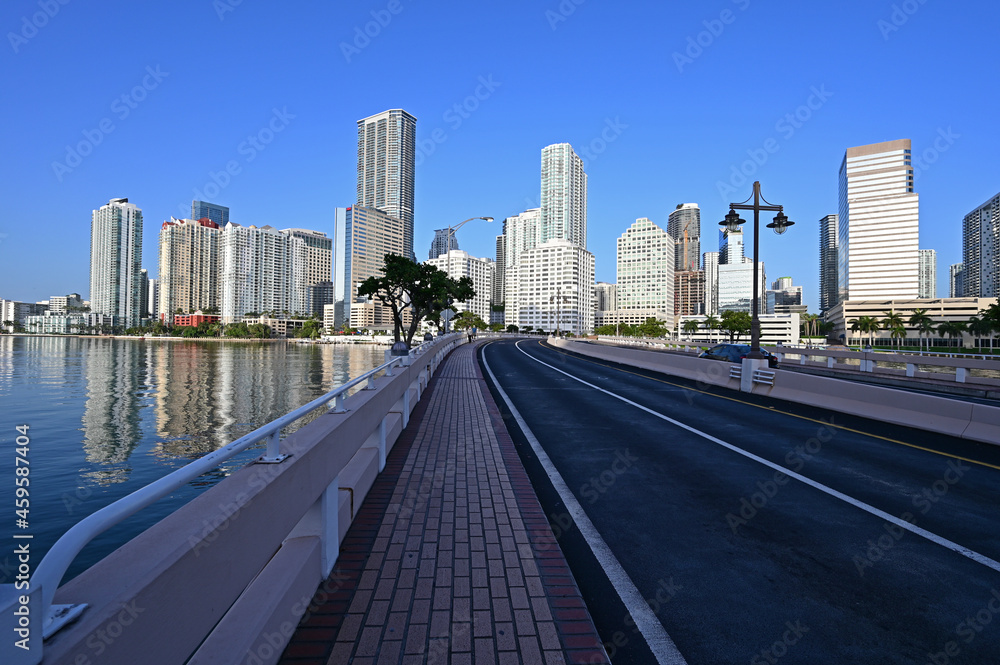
pixel 223 7
pixel 122 107
pixel 363 35
pixel 666 590
pixel 594 148
pixel 877 548
pixel 780 647
pixel 786 127
pixel 562 12
pixel 249 148
pixel 926 158
pixel 697 44
pixel 30 25
pixel 967 630
pixel 898 17
pixel 598 485
pixel 456 115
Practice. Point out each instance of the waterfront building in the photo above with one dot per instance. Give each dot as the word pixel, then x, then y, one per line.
pixel 210 211
pixel 520 233
pixel 63 304
pixel 194 320
pixel 605 297
pixel 143 294
pixel 444 241
pixel 190 268
pixel 940 310
pixel 710 265
pixel 386 165
pixel 263 270
pixel 318 296
pixel 18 312
pixel 362 238
pixel 153 300
pixel 736 287
pixel 556 288
pixel 684 226
pixel 645 272
pixel 878 224
pixel 319 262
pixel 955 280
pixel 927 261
pixel 564 196
pixel 981 251
pixel 458 264
pixel 115 261
pixel 828 291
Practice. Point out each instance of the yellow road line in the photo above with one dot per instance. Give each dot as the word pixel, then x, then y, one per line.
pixel 774 410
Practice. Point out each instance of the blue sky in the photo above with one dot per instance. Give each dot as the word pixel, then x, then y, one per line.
pixel 666 101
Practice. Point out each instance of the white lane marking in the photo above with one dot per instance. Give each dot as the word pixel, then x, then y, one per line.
pixel 652 630
pixel 933 537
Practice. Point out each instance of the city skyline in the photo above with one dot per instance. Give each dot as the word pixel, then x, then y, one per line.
pixel 280 153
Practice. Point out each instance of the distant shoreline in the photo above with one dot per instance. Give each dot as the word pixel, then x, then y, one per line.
pixel 345 342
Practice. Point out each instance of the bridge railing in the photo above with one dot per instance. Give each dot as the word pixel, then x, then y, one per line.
pixel 162 566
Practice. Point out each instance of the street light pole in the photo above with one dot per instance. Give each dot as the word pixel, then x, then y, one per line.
pixel 779 225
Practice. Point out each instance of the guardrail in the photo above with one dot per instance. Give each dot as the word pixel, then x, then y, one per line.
pixel 37 598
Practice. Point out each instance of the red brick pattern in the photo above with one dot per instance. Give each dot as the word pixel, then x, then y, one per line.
pixel 450 558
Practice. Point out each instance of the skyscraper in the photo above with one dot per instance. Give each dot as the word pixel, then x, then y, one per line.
pixel 190 267
pixel 878 224
pixel 263 270
pixel 499 285
pixel 520 233
pixel 981 251
pixel 115 261
pixel 645 257
pixel 730 247
pixel 211 211
pixel 955 274
pixel 444 241
pixel 386 164
pixel 362 238
pixel 605 297
pixel 736 287
pixel 564 196
pixel 828 263
pixel 144 294
pixel 928 273
pixel 684 226
pixel 711 268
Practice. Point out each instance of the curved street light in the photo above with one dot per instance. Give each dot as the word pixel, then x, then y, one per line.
pixel 780 224
pixel 451 232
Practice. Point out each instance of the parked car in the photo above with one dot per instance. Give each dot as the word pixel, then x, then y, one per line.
pixel 735 353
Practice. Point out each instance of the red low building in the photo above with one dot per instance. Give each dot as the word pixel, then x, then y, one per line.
pixel 194 320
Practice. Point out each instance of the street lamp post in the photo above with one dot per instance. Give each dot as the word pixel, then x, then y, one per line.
pixel 451 232
pixel 558 299
pixel 779 225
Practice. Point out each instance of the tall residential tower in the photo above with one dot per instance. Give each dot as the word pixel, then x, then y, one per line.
pixel 115 261
pixel 564 196
pixel 386 164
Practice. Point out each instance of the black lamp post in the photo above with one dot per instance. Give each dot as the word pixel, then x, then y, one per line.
pixel 780 225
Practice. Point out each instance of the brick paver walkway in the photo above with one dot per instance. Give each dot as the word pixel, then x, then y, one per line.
pixel 450 558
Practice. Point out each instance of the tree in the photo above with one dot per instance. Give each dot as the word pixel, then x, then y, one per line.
pixel 869 325
pixel 980 327
pixel 735 323
pixel 496 327
pixel 691 327
pixel 923 323
pixel 898 333
pixel 952 329
pixel 652 328
pixel 891 321
pixel 512 328
pixel 418 286
pixel 712 323
pixel 467 319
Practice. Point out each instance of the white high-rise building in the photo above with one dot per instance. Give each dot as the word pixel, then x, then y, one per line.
pixel 190 263
pixel 731 247
pixel 710 264
pixel 319 254
pixel 115 262
pixel 520 233
pixel 153 298
pixel 556 288
pixel 928 273
pixel 386 165
pixel 564 196
pixel 645 263
pixel 458 264
pixel 444 241
pixel 263 270
pixel 878 224
pixel 956 273
pixel 827 263
pixel 606 297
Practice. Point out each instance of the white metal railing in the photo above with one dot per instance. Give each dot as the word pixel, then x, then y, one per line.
pixel 56 562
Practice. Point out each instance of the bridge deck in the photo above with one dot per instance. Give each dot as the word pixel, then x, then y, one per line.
pixel 450 558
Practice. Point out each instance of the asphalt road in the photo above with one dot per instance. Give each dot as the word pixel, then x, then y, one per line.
pixel 879 545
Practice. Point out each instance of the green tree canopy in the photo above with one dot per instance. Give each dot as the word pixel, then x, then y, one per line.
pixel 418 286
pixel 735 323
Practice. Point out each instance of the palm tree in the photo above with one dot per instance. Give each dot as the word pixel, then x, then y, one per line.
pixel 923 323
pixel 892 321
pixel 952 329
pixel 870 325
pixel 855 327
pixel 691 327
pixel 980 327
pixel 898 333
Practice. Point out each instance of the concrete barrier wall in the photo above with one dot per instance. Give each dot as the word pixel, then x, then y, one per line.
pixel 966 420
pixel 241 562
